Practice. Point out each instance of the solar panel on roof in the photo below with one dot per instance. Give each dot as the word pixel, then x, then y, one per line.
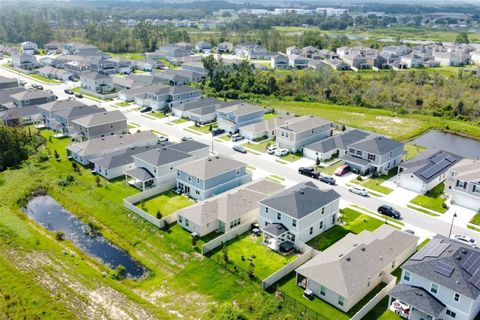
pixel 433 170
pixel 437 158
pixel 433 249
pixel 472 263
pixel 76 148
pixel 475 279
pixel 444 268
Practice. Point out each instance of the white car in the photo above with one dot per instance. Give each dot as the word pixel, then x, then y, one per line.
pixel 465 239
pixel 272 149
pixel 162 139
pixel 281 152
pixel 358 190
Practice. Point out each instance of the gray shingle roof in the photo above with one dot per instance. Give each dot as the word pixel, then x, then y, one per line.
pixel 188 146
pixel 467 170
pixel 377 145
pixel 119 158
pixel 210 167
pixel 304 123
pixel 61 105
pixel 197 104
pixel 94 75
pixel 161 156
pixel 275 229
pixel 139 174
pixel 32 94
pixel 300 200
pixel 429 165
pixel 97 119
pixel 241 108
pixel 358 161
pixel 418 298
pixel 423 264
pixel 339 141
pixel 78 112
pixel 6 94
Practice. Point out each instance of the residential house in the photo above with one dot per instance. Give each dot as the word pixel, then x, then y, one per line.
pixel 101 124
pixel 356 61
pixel 334 146
pixel 197 67
pixel 53 47
pixel 182 109
pixel 265 129
pixel 168 97
pixel 227 210
pixel 337 64
pixel 138 89
pixel 279 62
pixel 301 131
pixel 206 177
pixel 449 59
pixel 440 281
pixel 122 65
pixel 32 97
pixel 309 52
pixel 168 52
pixel 6 100
pixel 24 61
pixel 20 116
pixel 238 115
pixel 293 51
pixel 147 65
pixel 157 167
pixel 178 77
pixel 411 60
pixel 347 271
pixel 29 47
pixel 463 184
pixel 297 214
pixel 55 73
pixel 178 61
pixel 202 46
pixel 425 171
pixel 317 64
pixel 83 152
pixel 377 155
pixel 6 83
pixel 77 67
pixel 80 49
pixel 96 83
pixel 224 47
pixel 48 110
pixel 297 62
pixel 64 118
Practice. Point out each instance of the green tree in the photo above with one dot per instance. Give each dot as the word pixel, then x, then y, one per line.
pixel 462 37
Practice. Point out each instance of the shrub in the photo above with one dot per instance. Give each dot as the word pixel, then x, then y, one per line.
pixel 59 235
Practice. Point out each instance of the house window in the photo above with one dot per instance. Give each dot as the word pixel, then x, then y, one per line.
pixel 359 152
pixel 178 173
pixel 189 178
pixel 311 230
pixel 371 157
pixel 294 223
pixel 180 219
pixel 321 225
pixel 352 151
pixel 197 192
pixel 434 288
pixel 238 172
pixel 476 188
pixel 279 216
pixel 266 209
pixel 198 180
pixel 323 291
pixel 334 218
pixel 406 276
pixel 456 297
pixel 323 210
pixel 461 184
pixel 451 314
pixel 186 222
pixel 341 300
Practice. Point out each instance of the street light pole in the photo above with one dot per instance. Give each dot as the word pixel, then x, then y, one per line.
pixel 451 225
pixel 212 142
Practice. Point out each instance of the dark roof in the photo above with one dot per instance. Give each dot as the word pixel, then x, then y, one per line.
pixel 339 141
pixel 430 164
pixel 78 111
pixel 94 75
pixel 441 251
pixel 188 146
pixel 139 174
pixel 7 80
pixel 300 200
pixel 359 161
pixel 161 156
pixel 275 229
pixel 119 158
pixel 418 298
pixel 16 113
pixel 377 145
pixel 5 94
pixel 197 104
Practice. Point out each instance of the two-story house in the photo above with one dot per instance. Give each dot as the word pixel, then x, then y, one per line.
pixel 32 97
pixel 228 210
pixel 168 97
pixel 53 47
pixel 6 83
pixel 206 177
pixel 64 118
pixel 301 131
pixel 425 171
pixel 29 47
pixel 96 83
pixel 298 62
pixel 440 281
pixel 238 115
pixel 48 110
pixel 377 155
pixel 297 214
pixel 351 268
pixel 279 62
pixel 25 61
pixel 101 124
pixel 265 129
pixel 463 184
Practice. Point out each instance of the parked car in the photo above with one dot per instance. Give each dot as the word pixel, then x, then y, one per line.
pixel 217 131
pixel 409 231
pixel 326 179
pixel 68 91
pixel 309 172
pixel 358 190
pixel 237 137
pixel 79 95
pixel 271 149
pixel 187 138
pixel 465 240
pixel 239 149
pixel 163 139
pixel 21 83
pixel 342 170
pixel 281 152
pixel 389 211
pixel 145 109
pixel 39 87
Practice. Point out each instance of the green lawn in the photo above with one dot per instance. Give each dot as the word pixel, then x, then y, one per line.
pixel 181 120
pixel 43 285
pixel 260 147
pixel 422 210
pixel 432 200
pixel 224 138
pixel 476 219
pixel 43 79
pixel 375 183
pixel 77 90
pixel 127 55
pixel 389 123
pixel 123 104
pixel 132 125
pixel 292 157
pixel 355 222
pixel 158 115
pixel 330 170
pixel 203 129
pixel 270 115
pixel 266 260
pixel 380 312
pixel 413 150
pixel 167 203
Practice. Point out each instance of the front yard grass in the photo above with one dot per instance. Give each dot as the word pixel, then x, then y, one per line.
pixel 476 219
pixel 432 200
pixel 43 79
pixel 123 104
pixel 260 147
pixel 330 170
pixel 158 115
pixel 203 129
pixel 355 222
pixel 179 121
pixel 375 183
pixel 266 261
pixel 292 157
pixel 166 203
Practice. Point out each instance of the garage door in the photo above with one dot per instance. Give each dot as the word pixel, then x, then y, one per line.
pixel 466 201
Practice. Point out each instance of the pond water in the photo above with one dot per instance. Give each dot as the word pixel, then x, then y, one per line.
pixel 52 216
pixel 439 140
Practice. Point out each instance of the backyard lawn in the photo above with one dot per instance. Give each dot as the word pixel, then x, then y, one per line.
pixel 260 147
pixel 270 115
pixel 127 55
pixel 432 200
pixel 374 183
pixel 266 261
pixel 167 203
pixel 413 150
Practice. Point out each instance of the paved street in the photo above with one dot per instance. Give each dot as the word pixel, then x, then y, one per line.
pixel 423 224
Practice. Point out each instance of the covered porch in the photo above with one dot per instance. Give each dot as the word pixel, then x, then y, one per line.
pixel 278 238
pixel 414 303
pixel 140 178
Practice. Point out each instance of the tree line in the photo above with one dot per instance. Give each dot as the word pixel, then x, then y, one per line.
pixel 16 144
